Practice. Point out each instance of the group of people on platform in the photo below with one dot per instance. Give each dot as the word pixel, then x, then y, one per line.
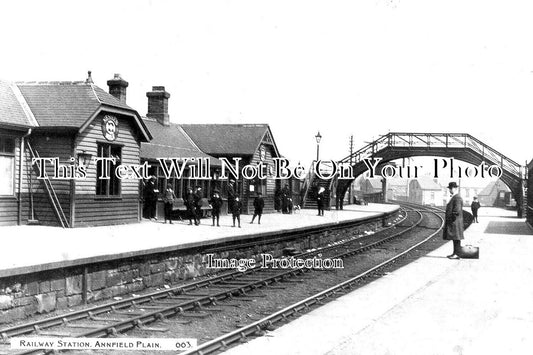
pixel 284 200
pixel 193 203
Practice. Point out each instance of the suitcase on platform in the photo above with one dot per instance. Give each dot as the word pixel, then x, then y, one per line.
pixel 469 252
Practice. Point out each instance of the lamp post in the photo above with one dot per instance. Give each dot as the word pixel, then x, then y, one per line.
pixel 318 137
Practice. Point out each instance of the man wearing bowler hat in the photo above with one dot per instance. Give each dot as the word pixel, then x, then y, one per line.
pixel 453 227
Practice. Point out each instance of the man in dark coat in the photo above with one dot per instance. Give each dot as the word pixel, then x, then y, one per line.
pixel 191 206
pixel 259 204
pixel 151 194
pixel 198 203
pixel 453 226
pixel 168 199
pixel 475 207
pixel 236 211
pixel 285 196
pixel 216 203
pixel 320 200
pixel 231 195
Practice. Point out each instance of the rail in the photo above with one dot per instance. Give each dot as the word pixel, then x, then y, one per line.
pixel 94 312
pixel 259 326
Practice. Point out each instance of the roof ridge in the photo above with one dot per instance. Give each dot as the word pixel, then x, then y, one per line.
pixel 24 104
pixel 80 83
pixel 173 146
pixel 189 139
pixel 95 94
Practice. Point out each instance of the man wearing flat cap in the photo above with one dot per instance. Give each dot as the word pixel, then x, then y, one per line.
pixel 453 227
pixel 216 204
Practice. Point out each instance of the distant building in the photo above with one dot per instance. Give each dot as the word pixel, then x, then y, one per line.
pixel 397 189
pixel 496 194
pixel 425 191
pixel 371 189
pixel 468 189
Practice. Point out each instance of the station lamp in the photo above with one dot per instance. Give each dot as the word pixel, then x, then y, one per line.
pixel 84 158
pixel 318 137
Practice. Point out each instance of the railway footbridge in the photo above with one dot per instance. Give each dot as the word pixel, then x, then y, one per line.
pixel 460 146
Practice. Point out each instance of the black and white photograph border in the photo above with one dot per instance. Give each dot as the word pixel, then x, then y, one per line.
pixel 282 177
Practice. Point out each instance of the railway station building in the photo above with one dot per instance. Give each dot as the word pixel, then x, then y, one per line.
pixel 251 143
pixel 72 123
pixel 76 124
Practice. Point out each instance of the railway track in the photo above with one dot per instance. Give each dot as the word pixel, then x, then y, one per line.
pixel 258 327
pixel 197 300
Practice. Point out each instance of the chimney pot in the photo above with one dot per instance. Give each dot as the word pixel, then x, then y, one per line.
pixel 158 105
pixel 89 79
pixel 117 87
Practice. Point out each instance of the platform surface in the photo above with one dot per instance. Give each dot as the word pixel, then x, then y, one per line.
pixel 432 306
pixel 35 248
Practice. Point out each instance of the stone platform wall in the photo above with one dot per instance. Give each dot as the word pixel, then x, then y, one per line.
pixel 25 295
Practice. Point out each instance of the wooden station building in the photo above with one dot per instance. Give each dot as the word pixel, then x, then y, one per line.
pixel 253 143
pixel 74 122
pixel 78 122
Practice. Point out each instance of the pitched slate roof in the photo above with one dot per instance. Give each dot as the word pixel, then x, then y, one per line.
pixel 11 111
pixel 226 139
pixel 493 185
pixel 375 183
pixel 428 184
pixel 66 104
pixel 171 142
pixel 400 182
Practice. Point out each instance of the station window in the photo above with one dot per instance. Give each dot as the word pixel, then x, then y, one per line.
pixel 7 166
pixel 258 185
pixel 111 186
pixel 161 180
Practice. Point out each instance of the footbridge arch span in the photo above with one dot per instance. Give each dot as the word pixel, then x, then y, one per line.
pixel 460 146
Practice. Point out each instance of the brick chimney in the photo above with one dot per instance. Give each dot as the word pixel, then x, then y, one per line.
pixel 158 105
pixel 117 88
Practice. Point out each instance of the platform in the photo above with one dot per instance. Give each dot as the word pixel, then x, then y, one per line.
pixel 431 306
pixel 38 248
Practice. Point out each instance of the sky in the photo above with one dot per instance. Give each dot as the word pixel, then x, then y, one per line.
pixel 360 68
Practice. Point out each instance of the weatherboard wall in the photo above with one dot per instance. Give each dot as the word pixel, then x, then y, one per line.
pixel 91 209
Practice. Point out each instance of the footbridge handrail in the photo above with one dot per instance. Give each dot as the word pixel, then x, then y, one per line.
pixel 434 141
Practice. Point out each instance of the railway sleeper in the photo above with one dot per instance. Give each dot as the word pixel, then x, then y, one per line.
pixel 55 333
pixel 85 326
pixel 129 314
pixel 249 295
pixel 179 298
pixel 139 324
pixel 229 304
pixel 194 314
pixel 105 319
pixel 149 307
